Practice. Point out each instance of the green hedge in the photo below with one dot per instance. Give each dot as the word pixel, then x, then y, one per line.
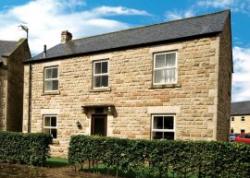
pixel 21 148
pixel 163 158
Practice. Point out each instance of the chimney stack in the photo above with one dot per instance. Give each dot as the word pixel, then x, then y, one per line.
pixel 44 50
pixel 66 36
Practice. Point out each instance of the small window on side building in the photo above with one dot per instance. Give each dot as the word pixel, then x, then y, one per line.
pixel 100 74
pixel 51 82
pixel 50 125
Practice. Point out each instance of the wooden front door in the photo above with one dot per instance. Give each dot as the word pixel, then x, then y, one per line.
pixel 99 125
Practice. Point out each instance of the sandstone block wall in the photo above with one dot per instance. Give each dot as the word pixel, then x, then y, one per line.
pixel 3 97
pixel 193 100
pixel 15 86
pixel 225 83
pixel 11 88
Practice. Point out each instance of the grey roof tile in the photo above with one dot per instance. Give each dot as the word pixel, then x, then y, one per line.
pixel 240 108
pixel 168 31
pixel 7 47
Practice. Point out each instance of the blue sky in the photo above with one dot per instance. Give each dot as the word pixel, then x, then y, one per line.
pixel 47 18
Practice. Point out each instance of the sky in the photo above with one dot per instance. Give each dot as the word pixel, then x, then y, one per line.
pixel 47 18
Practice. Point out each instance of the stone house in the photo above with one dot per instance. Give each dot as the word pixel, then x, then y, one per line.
pixel 164 81
pixel 12 56
pixel 240 117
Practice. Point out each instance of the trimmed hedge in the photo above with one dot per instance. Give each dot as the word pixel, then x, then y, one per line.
pixel 163 158
pixel 22 148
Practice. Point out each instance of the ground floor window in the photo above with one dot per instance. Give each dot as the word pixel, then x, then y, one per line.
pixel 50 125
pixel 163 127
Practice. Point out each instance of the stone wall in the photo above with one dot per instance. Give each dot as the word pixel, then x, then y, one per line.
pixel 15 86
pixel 3 96
pixel 225 83
pixel 193 100
pixel 11 88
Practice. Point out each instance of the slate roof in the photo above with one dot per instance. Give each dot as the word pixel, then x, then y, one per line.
pixel 240 108
pixel 6 47
pixel 163 32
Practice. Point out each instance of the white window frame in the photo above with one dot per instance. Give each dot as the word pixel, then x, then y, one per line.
pixel 50 79
pixel 101 74
pixel 162 68
pixel 50 127
pixel 163 130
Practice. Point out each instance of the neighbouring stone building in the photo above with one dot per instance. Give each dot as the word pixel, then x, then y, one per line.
pixel 240 117
pixel 12 56
pixel 170 80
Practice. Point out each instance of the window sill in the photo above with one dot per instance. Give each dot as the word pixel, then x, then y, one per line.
pixel 51 93
pixel 177 85
pixel 100 89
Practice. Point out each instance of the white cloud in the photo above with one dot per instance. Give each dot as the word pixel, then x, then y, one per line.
pixel 174 15
pixel 216 3
pixel 106 10
pixel 47 18
pixel 239 6
pixel 242 6
pixel 241 76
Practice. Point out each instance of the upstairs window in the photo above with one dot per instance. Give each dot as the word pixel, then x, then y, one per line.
pixel 165 68
pixel 50 125
pixel 100 74
pixel 51 79
pixel 163 127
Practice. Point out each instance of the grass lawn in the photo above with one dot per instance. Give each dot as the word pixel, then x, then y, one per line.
pixel 57 162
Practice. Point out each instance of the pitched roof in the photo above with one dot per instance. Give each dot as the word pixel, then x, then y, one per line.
pixel 6 47
pixel 167 31
pixel 240 108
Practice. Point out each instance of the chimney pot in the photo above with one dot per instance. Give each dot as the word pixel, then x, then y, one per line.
pixel 66 36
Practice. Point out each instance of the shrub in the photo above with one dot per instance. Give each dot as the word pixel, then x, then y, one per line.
pixel 163 158
pixel 21 148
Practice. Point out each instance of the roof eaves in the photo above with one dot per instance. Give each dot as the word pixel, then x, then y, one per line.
pixel 240 114
pixel 62 57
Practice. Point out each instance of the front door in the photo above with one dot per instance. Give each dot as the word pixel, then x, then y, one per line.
pixel 99 125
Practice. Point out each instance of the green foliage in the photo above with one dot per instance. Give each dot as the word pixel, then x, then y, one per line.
pixel 21 148
pixel 143 158
pixel 56 162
